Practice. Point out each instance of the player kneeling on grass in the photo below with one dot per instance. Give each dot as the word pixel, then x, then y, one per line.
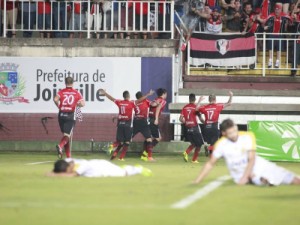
pixel 95 168
pixel 245 167
pixel 188 117
pixel 124 130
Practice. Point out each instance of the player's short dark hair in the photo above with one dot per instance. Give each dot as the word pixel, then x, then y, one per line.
pixel 161 91
pixel 192 97
pixel 226 124
pixel 138 95
pixel 60 166
pixel 212 97
pixel 69 80
pixel 247 3
pixel 126 94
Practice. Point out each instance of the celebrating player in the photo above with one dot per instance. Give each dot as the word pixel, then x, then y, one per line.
pixel 154 114
pixel 211 113
pixel 124 130
pixel 95 168
pixel 188 117
pixel 67 100
pixel 141 124
pixel 245 167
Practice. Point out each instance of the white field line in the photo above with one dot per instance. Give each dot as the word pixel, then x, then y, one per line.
pixel 37 163
pixel 202 192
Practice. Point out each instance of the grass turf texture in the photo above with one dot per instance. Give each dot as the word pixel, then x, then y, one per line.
pixel 28 197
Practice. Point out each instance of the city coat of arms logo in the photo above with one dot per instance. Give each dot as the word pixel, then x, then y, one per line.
pixel 12 85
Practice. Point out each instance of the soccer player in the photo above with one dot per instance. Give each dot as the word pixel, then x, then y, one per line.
pixel 95 168
pixel 154 114
pixel 245 167
pixel 211 126
pixel 141 124
pixel 67 100
pixel 124 130
pixel 188 117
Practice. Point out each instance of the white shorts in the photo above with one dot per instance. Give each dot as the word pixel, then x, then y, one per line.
pixel 265 171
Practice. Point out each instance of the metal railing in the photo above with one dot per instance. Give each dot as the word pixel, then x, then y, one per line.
pixel 84 16
pixel 266 47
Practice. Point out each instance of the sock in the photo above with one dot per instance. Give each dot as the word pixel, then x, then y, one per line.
pixel 154 143
pixel 68 150
pixel 63 141
pixel 196 153
pixel 145 146
pixel 124 150
pixel 117 150
pixel 149 149
pixel 210 148
pixel 115 144
pixel 189 149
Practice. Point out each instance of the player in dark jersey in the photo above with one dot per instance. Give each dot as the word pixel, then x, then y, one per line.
pixel 67 100
pixel 125 117
pixel 155 111
pixel 211 113
pixel 141 124
pixel 188 117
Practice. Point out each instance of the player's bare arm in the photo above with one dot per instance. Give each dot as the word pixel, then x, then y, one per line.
pixel 52 174
pixel 206 169
pixel 81 103
pixel 248 172
pixel 181 119
pixel 158 108
pixel 200 100
pixel 151 92
pixel 229 100
pixel 103 92
pixel 56 100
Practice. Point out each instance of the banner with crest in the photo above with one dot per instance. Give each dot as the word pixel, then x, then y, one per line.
pixel 222 50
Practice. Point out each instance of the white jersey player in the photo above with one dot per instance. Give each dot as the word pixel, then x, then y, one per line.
pixel 245 167
pixel 95 168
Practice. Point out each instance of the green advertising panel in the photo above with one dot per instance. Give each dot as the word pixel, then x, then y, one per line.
pixel 277 141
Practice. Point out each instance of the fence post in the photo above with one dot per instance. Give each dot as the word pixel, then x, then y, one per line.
pixel 88 20
pixel 4 20
pixel 172 19
pixel 264 55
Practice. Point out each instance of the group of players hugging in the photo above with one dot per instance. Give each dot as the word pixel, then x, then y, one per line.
pixel 142 116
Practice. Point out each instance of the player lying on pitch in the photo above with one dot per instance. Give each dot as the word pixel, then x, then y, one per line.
pixel 95 168
pixel 245 167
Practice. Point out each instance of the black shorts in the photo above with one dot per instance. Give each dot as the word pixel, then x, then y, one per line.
pixel 124 131
pixel 211 133
pixel 154 129
pixel 66 122
pixel 141 126
pixel 194 136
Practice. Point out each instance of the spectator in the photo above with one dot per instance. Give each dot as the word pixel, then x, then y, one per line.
pixel 179 11
pixel 277 24
pixel 164 19
pixel 214 21
pixel 233 17
pixel 60 19
pixel 77 20
pixel 190 19
pixel 296 59
pixel 44 18
pixel 11 15
pixel 285 4
pixel 251 21
pixel 129 17
pixel 141 18
pixel 227 4
pixel 29 17
pixel 107 7
pixel 94 17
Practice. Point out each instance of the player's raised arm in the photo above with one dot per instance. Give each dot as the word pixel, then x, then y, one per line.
pixel 206 169
pixel 229 100
pixel 151 92
pixel 56 100
pixel 201 99
pixel 103 92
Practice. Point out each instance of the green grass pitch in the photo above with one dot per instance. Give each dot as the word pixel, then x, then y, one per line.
pixel 27 197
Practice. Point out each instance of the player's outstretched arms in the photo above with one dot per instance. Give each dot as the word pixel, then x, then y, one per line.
pixel 56 100
pixel 201 99
pixel 52 174
pixel 229 100
pixel 206 169
pixel 151 92
pixel 103 92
